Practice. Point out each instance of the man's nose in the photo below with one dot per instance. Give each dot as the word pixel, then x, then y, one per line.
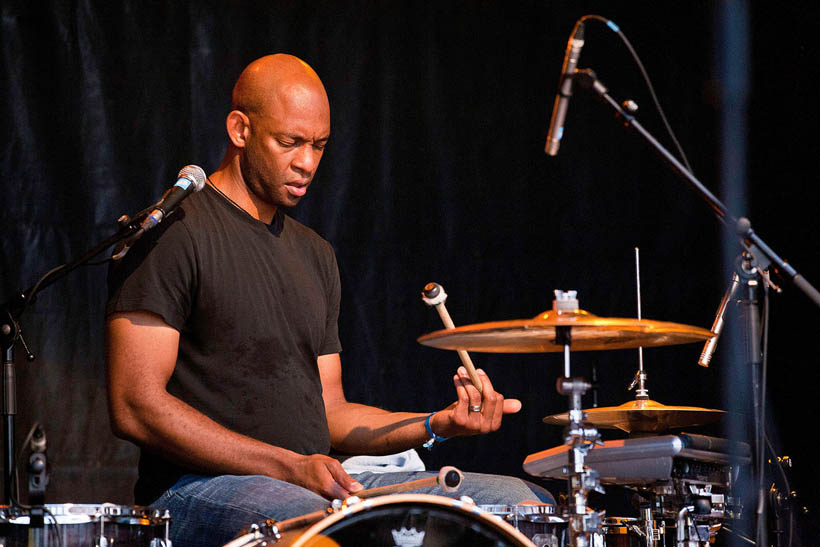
pixel 307 159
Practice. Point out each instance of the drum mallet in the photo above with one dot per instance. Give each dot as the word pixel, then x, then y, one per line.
pixel 433 295
pixel 449 479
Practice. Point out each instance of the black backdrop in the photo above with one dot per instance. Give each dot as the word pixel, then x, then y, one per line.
pixel 435 171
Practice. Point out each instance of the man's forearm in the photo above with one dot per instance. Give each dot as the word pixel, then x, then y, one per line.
pixel 166 425
pixel 361 429
pixel 188 437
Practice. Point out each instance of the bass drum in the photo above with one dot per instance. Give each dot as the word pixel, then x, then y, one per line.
pixel 84 525
pixel 408 520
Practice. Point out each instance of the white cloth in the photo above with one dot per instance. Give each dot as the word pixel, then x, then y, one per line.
pixel 408 460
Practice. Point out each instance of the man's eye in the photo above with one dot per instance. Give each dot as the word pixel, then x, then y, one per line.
pixel 319 147
pixel 287 144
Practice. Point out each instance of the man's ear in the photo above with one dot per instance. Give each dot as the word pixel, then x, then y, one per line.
pixel 238 126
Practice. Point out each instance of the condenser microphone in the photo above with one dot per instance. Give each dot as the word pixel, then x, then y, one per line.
pixel 190 179
pixel 559 109
pixel 717 326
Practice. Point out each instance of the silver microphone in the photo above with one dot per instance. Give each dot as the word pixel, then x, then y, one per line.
pixel 559 109
pixel 717 326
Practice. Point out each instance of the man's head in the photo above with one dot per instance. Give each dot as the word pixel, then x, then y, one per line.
pixel 278 126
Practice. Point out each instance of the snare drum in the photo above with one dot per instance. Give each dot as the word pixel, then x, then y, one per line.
pixel 538 522
pixel 546 529
pixel 84 525
pixel 399 519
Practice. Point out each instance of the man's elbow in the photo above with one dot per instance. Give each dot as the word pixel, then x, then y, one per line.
pixel 125 423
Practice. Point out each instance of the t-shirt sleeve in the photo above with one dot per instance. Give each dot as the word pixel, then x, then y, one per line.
pixel 157 275
pixel 334 296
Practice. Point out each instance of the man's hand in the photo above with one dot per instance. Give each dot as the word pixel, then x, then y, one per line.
pixel 323 475
pixel 458 420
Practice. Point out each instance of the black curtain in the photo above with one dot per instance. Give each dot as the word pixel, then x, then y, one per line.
pixel 435 172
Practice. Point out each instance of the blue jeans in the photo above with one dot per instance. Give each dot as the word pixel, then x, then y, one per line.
pixel 210 511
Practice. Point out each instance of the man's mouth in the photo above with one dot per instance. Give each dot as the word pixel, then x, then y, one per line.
pixel 296 188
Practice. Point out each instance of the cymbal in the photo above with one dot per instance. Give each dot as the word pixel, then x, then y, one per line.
pixel 643 416
pixel 588 332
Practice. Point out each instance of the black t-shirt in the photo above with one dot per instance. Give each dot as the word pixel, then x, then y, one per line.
pixel 255 305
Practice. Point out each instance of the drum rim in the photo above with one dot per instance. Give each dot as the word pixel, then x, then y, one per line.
pixel 423 499
pixel 80 513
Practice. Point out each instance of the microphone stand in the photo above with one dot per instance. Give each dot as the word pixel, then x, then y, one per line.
pixel 759 249
pixel 756 257
pixel 10 333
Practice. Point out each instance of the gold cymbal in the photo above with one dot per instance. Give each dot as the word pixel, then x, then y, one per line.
pixel 643 416
pixel 588 332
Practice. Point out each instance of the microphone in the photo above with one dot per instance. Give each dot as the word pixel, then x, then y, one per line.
pixel 559 109
pixel 190 179
pixel 717 326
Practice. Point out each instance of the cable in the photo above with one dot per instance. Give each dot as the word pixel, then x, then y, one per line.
pixel 60 540
pixel 15 493
pixel 738 535
pixel 615 28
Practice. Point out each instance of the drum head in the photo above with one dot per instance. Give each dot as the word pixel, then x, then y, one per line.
pixel 411 520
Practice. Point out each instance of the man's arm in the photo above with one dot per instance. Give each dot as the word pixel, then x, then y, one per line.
pixel 142 351
pixel 361 429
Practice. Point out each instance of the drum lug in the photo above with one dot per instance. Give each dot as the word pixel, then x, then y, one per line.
pixel 166 521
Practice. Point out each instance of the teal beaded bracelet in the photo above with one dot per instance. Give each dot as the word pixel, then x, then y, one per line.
pixel 433 437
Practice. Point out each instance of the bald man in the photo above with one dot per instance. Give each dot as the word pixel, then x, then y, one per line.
pixel 223 350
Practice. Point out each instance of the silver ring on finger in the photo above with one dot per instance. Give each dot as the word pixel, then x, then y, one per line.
pixel 475 408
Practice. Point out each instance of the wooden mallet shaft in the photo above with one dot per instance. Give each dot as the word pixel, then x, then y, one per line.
pixel 449 479
pixel 434 295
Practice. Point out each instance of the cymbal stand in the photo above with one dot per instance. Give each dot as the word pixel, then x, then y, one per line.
pixel 649 530
pixel 577 435
pixel 640 377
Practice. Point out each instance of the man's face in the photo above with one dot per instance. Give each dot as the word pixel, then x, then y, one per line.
pixel 285 145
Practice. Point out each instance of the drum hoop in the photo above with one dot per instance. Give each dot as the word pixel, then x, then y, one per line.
pixel 422 499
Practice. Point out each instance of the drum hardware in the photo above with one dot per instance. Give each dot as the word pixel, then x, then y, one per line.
pixel 640 376
pixel 434 296
pixel 578 437
pixel 668 472
pixel 689 534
